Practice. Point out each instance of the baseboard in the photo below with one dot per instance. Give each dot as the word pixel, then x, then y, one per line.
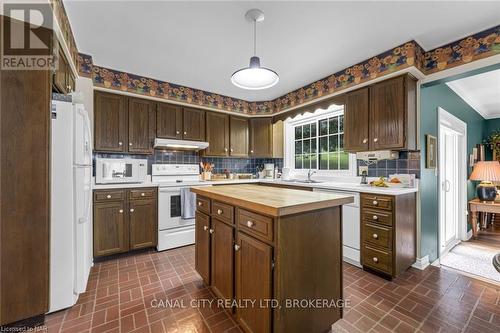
pixel 421 263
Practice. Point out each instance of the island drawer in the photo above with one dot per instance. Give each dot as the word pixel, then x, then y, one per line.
pixel 377 201
pixel 142 193
pixel 109 195
pixel 203 204
pixel 378 259
pixel 377 216
pixel 377 235
pixel 223 212
pixel 255 224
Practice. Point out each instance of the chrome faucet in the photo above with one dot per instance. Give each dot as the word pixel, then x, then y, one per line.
pixel 309 174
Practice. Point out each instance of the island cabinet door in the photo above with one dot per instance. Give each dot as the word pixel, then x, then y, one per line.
pixel 253 282
pixel 202 246
pixel 222 272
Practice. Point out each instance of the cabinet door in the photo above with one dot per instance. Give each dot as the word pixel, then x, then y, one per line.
pixel 387 114
pixel 193 124
pixel 143 223
pixel 217 134
pixel 261 137
pixel 238 137
pixel 168 121
pixel 60 75
pixel 70 78
pixel 110 228
pixel 110 122
pixel 202 246
pixel 253 281
pixel 356 117
pixel 141 126
pixel 222 247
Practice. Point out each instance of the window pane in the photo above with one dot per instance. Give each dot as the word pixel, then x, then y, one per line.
pixel 341 141
pixel 298 147
pixel 313 145
pixel 298 162
pixel 313 130
pixel 307 146
pixel 323 144
pixel 334 161
pixel 334 142
pixel 341 123
pixel 306 131
pixel 334 125
pixel 298 132
pixel 323 161
pixel 306 162
pixel 344 160
pixel 323 127
pixel 314 161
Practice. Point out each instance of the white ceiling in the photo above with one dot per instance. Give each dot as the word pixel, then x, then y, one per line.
pixel 200 44
pixel 481 92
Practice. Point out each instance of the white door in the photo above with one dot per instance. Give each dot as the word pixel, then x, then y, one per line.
pixel 449 199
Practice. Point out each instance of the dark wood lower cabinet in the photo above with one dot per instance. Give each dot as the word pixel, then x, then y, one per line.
pixel 122 222
pixel 222 246
pixel 253 282
pixel 202 251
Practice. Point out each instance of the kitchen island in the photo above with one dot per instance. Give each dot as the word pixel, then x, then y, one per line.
pixel 274 255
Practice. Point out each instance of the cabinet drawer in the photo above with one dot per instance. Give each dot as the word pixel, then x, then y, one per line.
pixel 203 204
pixel 378 259
pixel 377 201
pixel 142 193
pixel 223 212
pixel 255 224
pixel 377 216
pixel 109 195
pixel 377 235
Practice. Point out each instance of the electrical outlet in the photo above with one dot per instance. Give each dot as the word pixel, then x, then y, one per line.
pixel 363 168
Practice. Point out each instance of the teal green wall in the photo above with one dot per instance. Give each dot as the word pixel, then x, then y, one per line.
pixel 432 97
pixel 491 125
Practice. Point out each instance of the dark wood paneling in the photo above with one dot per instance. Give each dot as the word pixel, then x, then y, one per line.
pixel 60 76
pixel 141 126
pixel 217 134
pixel 110 228
pixel 405 238
pixel 261 137
pixel 238 137
pixel 356 117
pixel 24 191
pixel 193 124
pixel 110 122
pixel 222 271
pixel 143 223
pixel 253 281
pixel 168 121
pixel 202 246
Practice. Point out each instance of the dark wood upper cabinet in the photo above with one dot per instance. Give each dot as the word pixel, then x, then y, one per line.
pixel 168 121
pixel 221 265
pixel 141 126
pixel 143 223
pixel 356 116
pixel 261 137
pixel 110 228
pixel 217 134
pixel 193 124
pixel 60 76
pixel 253 280
pixel 110 122
pixel 238 137
pixel 202 248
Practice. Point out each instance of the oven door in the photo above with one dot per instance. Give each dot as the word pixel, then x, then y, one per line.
pixel 169 209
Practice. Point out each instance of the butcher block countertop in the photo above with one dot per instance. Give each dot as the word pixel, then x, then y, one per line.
pixel 272 201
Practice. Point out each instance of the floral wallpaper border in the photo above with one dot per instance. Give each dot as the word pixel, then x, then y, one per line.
pixel 471 48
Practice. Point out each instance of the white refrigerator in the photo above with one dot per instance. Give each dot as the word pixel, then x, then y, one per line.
pixel 71 204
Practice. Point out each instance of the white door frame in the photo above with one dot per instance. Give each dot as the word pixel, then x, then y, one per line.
pixel 447 119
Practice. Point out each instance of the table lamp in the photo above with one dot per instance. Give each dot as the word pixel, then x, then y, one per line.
pixel 486 172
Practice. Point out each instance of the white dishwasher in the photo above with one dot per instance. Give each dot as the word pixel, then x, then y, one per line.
pixel 350 227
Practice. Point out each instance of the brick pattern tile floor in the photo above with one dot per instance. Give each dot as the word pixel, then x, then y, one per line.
pixel 120 293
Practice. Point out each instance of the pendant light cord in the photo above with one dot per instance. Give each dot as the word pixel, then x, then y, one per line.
pixel 254 37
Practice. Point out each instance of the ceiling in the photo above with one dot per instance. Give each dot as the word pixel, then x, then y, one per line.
pixel 481 92
pixel 200 44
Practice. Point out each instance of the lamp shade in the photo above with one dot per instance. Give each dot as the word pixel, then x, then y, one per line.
pixel 487 171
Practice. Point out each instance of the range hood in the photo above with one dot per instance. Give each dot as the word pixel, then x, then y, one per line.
pixel 180 144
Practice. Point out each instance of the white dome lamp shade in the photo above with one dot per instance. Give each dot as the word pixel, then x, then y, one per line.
pixel 254 77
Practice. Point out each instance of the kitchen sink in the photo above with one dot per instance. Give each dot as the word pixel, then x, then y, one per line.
pixel 306 181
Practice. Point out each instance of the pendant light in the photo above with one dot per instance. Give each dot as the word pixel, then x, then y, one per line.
pixel 254 77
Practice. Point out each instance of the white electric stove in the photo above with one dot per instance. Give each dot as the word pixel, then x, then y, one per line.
pixel 173 230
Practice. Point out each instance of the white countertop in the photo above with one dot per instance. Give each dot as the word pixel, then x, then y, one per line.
pixel 327 185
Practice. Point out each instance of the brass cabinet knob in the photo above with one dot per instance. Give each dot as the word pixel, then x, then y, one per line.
pixel 375 236
pixel 250 224
pixel 120 143
pixel 375 202
pixel 120 211
pixel 108 196
pixel 375 217
pixel 185 133
pixel 205 228
pixel 130 143
pixel 375 259
pixel 143 194
pixel 219 211
pixel 177 132
pixel 200 203
pixel 365 140
pixel 251 151
pixel 211 231
pixel 375 140
pixel 132 210
pixel 225 149
pixel 231 150
pixel 236 247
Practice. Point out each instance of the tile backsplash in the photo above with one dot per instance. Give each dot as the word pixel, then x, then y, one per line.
pixel 407 163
